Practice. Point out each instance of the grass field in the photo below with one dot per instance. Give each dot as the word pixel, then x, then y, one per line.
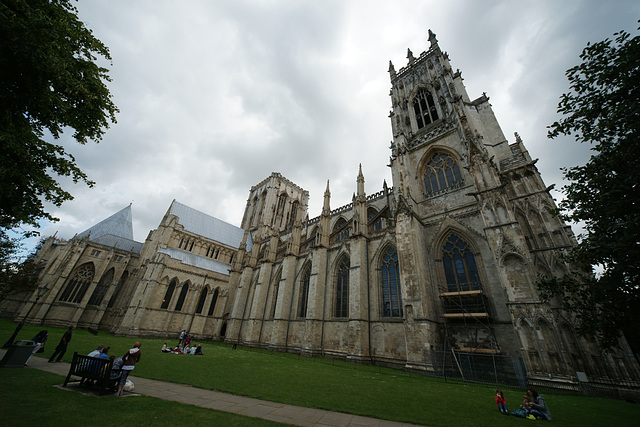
pixel 335 386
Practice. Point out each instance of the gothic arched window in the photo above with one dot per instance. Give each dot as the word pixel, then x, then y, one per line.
pixel 78 284
pixel 293 213
pixel 274 298
pixel 203 297
pixel 304 292
pixel 342 229
pixel 391 296
pixel 168 295
pixel 371 213
pixel 424 108
pixel 342 288
pixel 441 172
pixel 460 266
pixel 182 297
pixel 116 291
pixel 100 290
pixel 214 299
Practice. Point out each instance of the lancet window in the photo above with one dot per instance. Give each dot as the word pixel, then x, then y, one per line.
pixel 391 295
pixel 168 295
pixel 102 288
pixel 304 292
pixel 182 297
pixel 342 288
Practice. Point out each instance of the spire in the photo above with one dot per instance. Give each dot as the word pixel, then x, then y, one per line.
pixel 326 209
pixel 360 182
pixel 432 39
pixel 120 224
pixel 392 70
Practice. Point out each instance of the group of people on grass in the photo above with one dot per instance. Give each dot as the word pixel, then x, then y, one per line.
pixel 186 349
pixel 184 346
pixel 533 406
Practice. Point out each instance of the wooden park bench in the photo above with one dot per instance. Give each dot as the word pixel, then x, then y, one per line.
pixel 94 369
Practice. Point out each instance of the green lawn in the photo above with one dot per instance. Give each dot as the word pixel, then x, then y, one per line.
pixel 28 397
pixel 372 392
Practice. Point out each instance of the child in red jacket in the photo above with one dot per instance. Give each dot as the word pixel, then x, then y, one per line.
pixel 502 402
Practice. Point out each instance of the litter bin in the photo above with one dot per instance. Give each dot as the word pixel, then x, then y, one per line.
pixel 17 354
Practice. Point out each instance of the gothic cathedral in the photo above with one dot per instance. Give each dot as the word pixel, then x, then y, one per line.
pixel 445 259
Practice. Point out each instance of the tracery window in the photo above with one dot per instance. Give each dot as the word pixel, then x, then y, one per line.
pixel 183 295
pixel 391 296
pixel 78 284
pixel 371 213
pixel 116 291
pixel 168 295
pixel 304 292
pixel 293 213
pixel 101 289
pixel 441 172
pixel 424 108
pixel 213 303
pixel 460 266
pixel 342 229
pixel 203 297
pixel 342 288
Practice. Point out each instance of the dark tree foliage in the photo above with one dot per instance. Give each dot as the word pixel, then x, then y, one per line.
pixel 50 83
pixel 15 275
pixel 603 109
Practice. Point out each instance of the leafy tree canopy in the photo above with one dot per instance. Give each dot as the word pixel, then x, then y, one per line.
pixel 49 83
pixel 603 109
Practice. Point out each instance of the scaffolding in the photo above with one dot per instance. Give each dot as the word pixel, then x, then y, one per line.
pixel 477 356
pixel 465 307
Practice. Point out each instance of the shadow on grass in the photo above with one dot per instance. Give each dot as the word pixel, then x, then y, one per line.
pixel 30 397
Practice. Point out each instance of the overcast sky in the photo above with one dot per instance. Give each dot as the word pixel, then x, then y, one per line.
pixel 214 96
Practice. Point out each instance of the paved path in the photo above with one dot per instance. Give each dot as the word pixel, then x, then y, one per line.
pixel 289 414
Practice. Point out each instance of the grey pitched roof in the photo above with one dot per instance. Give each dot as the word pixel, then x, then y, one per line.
pixel 196 260
pixel 117 231
pixel 119 242
pixel 207 226
pixel 119 224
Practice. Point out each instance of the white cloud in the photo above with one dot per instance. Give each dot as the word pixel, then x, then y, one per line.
pixel 214 96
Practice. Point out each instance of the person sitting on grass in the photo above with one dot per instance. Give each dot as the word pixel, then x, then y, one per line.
pixel 165 348
pixel 199 350
pixel 502 402
pixel 193 350
pixel 538 406
pixel 187 349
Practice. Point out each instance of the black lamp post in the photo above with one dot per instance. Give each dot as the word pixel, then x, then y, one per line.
pixel 41 291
